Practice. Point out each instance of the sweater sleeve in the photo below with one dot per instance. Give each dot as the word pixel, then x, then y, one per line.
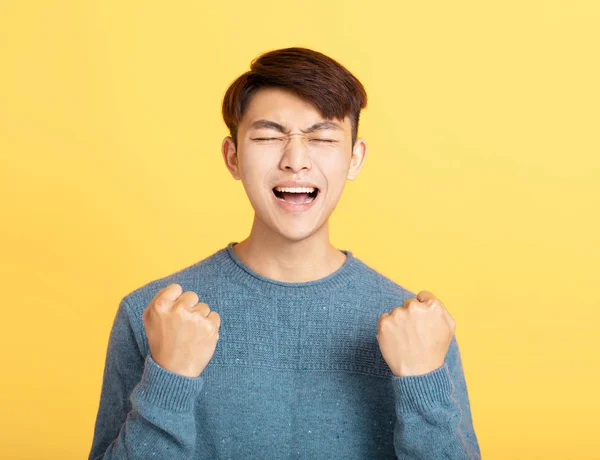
pixel 145 410
pixel 433 413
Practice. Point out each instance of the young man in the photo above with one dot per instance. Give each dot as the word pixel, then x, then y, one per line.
pixel 312 353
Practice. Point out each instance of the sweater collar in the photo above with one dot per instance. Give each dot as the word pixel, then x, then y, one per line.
pixel 238 271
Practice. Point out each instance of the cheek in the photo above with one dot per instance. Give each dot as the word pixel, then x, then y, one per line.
pixel 335 170
pixel 251 162
pixel 254 172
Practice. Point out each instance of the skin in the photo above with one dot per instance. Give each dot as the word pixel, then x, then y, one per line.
pixel 182 333
pixel 292 247
pixel 283 246
pixel 414 339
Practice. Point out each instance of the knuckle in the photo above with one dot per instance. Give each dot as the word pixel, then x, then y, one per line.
pixel 410 303
pixel 215 320
pixel 203 307
pixel 208 325
pixel 197 318
pixel 161 304
pixel 385 322
pixel 181 309
pixel 174 287
pixel 192 296
pixel 397 313
pixel 435 306
pixel 437 303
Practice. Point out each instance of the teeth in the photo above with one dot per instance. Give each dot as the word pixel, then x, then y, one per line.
pixel 295 189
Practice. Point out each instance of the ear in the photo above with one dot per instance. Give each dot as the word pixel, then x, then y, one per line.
pixel 229 153
pixel 359 153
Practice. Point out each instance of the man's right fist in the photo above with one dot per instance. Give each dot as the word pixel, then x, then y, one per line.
pixel 182 333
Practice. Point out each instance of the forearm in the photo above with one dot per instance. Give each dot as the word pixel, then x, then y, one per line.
pixel 160 423
pixel 433 418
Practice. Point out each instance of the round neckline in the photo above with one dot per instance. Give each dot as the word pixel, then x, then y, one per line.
pixel 339 278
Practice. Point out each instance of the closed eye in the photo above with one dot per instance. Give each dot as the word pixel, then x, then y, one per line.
pixel 262 139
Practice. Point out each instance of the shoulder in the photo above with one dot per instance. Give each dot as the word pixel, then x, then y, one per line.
pixel 201 277
pixel 204 273
pixel 391 294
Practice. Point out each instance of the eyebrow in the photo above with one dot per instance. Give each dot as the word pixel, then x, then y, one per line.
pixel 258 124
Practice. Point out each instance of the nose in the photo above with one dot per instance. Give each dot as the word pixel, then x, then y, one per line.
pixel 295 154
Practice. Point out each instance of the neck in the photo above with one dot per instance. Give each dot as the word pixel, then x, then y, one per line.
pixel 272 255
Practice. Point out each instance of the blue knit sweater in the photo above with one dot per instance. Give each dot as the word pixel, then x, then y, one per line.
pixel 297 374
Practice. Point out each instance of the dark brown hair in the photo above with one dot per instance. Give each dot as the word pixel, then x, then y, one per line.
pixel 313 76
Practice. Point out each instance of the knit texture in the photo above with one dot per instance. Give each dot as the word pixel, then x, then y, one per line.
pixel 297 374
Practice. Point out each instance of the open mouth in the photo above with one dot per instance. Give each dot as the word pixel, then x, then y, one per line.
pixel 299 195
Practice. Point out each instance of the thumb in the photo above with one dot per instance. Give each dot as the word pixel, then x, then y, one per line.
pixel 424 296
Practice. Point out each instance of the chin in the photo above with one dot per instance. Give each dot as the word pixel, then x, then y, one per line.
pixel 298 233
pixel 296 236
pixel 293 230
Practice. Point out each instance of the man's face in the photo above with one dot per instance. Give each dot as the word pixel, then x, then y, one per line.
pixel 283 141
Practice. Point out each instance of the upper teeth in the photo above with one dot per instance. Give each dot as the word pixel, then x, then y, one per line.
pixel 295 189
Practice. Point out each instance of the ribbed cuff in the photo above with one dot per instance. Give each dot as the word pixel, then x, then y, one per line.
pixel 167 389
pixel 423 392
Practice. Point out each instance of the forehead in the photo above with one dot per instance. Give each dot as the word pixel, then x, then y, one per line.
pixel 284 107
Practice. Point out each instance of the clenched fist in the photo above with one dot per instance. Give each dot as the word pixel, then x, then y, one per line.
pixel 414 339
pixel 182 333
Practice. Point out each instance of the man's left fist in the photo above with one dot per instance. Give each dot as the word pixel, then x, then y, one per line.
pixel 414 339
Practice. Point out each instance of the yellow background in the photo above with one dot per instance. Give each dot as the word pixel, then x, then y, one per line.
pixel 482 185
